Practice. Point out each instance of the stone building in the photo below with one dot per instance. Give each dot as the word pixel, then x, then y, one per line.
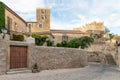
pixel 12 21
pixel 67 35
pixel 94 27
pixel 62 35
pixel 42 27
pixel 43 21
pixel 16 25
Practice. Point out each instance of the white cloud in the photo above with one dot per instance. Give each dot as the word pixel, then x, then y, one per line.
pixel 25 8
pixel 62 26
pixel 24 5
pixel 68 14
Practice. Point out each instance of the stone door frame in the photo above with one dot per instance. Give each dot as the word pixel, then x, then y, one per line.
pixel 15 43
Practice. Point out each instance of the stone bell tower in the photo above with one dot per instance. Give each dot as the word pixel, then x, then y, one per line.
pixel 43 19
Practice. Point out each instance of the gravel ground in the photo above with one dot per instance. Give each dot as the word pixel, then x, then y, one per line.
pixel 92 72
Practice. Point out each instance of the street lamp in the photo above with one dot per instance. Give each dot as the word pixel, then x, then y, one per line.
pixel 4 31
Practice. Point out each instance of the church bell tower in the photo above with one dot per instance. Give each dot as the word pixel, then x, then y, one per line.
pixel 43 19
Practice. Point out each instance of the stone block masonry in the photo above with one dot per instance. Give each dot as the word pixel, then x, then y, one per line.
pixel 118 60
pixel 104 53
pixel 3 56
pixel 45 57
pixel 56 58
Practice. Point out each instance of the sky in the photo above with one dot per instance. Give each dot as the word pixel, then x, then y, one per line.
pixel 69 14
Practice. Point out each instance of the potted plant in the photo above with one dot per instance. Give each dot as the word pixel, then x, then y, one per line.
pixel 35 68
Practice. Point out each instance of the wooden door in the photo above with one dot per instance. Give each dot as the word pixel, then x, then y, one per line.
pixel 18 57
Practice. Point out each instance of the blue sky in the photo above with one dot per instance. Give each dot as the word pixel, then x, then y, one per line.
pixel 69 14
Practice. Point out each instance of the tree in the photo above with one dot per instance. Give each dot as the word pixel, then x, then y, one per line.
pixel 117 37
pixel 106 30
pixel 85 42
pixel 111 36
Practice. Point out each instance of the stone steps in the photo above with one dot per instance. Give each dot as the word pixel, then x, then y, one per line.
pixel 19 71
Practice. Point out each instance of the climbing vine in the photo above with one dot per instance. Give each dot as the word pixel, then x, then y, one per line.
pixel 39 40
pixel 2 16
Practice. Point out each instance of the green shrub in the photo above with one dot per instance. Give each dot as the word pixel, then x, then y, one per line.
pixel 39 40
pixel 62 44
pixel 18 37
pixel 75 43
pixel 86 41
pixel 2 16
pixel 82 42
pixel 58 45
pixel 49 43
pixel 35 66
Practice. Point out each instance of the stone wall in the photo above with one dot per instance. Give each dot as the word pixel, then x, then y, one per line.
pixel 17 23
pixel 105 53
pixel 94 26
pixel 45 57
pixel 106 48
pixel 58 36
pixel 3 56
pixel 54 58
pixel 118 57
pixel 96 57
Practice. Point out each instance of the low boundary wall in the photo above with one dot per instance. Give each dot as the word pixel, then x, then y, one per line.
pixel 54 58
pixel 45 57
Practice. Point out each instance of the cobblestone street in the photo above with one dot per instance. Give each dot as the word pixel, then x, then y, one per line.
pixel 92 72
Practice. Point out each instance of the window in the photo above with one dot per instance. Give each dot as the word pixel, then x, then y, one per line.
pixel 8 22
pixel 43 11
pixel 15 26
pixel 41 25
pixel 43 17
pixel 64 37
